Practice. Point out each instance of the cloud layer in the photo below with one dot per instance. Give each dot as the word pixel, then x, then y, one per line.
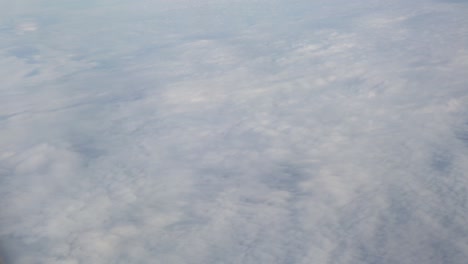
pixel 234 132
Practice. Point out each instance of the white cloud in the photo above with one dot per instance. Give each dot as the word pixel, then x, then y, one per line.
pixel 25 27
pixel 323 132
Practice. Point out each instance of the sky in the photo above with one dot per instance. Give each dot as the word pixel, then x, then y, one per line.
pixel 234 131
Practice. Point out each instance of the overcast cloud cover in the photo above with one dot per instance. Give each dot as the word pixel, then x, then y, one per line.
pixel 234 131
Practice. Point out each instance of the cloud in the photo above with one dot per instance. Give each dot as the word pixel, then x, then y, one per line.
pixel 25 27
pixel 323 132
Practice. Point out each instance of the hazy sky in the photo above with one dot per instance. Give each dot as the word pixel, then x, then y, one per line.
pixel 234 131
